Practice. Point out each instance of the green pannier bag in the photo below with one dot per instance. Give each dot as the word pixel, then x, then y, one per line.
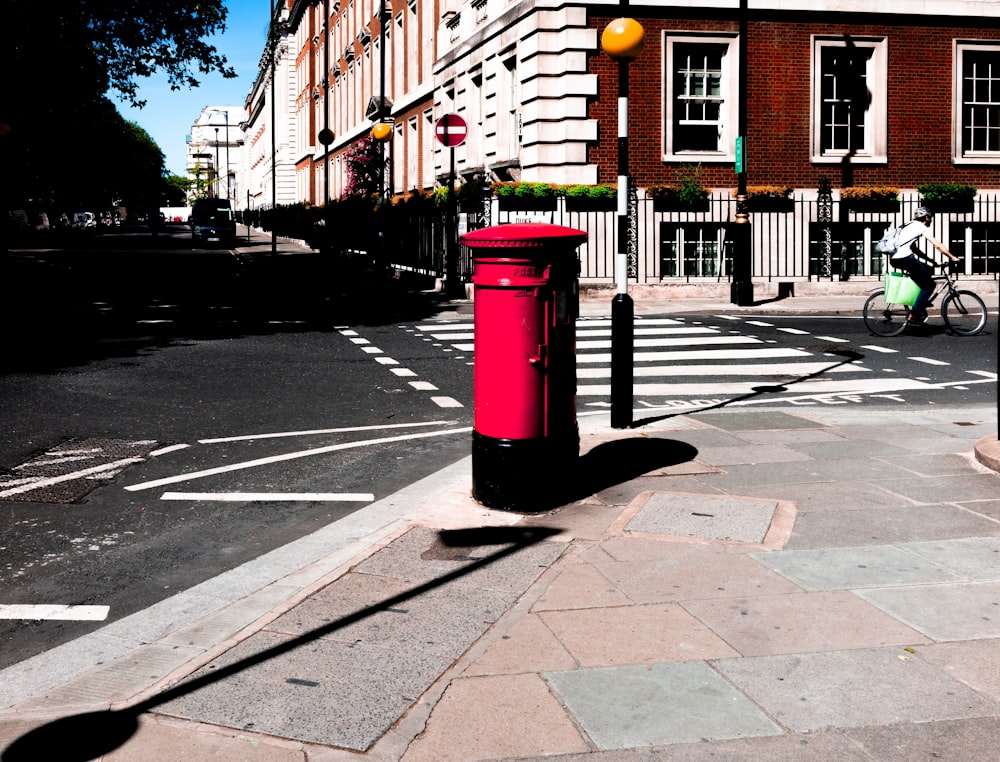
pixel 900 289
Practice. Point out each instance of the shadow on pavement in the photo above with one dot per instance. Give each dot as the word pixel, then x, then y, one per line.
pixel 90 735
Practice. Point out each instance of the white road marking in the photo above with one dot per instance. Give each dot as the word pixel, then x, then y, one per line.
pixel 823 387
pixel 48 482
pixel 986 373
pixel 699 354
pixel 289 456
pixel 791 370
pixel 404 372
pixel 883 350
pixel 929 361
pixel 760 323
pixel 371 350
pixel 796 331
pixel 834 339
pixel 54 611
pixel 643 331
pixel 312 432
pixel 673 342
pixel 165 450
pixel 252 497
pixel 423 386
pixel 386 361
pixel 446 402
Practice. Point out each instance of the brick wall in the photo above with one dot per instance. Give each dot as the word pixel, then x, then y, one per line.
pixel 780 59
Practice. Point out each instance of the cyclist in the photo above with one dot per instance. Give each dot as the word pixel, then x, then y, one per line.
pixel 908 258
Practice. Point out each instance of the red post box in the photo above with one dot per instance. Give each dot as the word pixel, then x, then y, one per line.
pixel 527 298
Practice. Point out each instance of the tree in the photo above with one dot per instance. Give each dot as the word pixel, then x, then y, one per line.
pixel 61 58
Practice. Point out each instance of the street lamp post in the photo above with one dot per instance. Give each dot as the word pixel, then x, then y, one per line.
pixel 623 40
pixel 216 162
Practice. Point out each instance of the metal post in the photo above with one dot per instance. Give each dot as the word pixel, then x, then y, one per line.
pixel 623 40
pixel 451 263
pixel 272 34
pixel 216 194
pixel 741 291
pixel 622 308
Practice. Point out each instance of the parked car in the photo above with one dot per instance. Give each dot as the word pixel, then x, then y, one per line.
pixel 213 222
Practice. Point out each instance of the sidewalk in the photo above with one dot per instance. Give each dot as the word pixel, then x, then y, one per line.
pixel 807 583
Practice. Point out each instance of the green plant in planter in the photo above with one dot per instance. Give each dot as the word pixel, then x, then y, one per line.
pixel 594 192
pixel 946 192
pixel 524 191
pixel 690 191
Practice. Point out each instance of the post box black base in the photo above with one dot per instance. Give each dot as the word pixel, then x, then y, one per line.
pixel 523 475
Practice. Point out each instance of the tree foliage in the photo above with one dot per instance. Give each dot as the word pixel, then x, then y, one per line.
pixel 61 140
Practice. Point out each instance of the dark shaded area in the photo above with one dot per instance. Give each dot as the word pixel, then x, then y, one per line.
pixel 97 733
pixel 618 461
pixel 123 295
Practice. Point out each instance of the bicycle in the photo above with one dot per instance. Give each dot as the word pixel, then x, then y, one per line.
pixel 964 313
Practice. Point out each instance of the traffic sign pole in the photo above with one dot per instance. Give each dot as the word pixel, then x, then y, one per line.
pixel 451 131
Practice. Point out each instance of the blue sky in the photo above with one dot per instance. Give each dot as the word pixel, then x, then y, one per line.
pixel 168 115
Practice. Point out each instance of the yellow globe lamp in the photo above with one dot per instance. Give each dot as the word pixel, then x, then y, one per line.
pixel 381 131
pixel 623 39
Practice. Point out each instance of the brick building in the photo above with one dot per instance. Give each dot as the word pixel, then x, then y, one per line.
pixel 852 93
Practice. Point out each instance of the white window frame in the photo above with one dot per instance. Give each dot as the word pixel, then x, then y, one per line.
pixel 876 132
pixel 959 155
pixel 729 116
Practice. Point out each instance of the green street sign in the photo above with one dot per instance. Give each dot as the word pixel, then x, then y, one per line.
pixel 740 154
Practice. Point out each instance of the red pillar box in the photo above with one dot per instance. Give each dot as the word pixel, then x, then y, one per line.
pixel 526 290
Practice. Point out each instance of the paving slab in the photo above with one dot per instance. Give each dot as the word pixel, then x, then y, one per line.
pixel 653 704
pixel 880 526
pixel 712 518
pixel 973 740
pixel 977 558
pixel 801 623
pixel 815 691
pixel 965 611
pixel 857 567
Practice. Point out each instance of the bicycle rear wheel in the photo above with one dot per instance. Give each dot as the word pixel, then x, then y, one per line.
pixel 964 313
pixel 882 318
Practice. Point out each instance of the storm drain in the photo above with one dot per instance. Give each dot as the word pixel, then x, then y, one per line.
pixel 71 470
pixel 736 519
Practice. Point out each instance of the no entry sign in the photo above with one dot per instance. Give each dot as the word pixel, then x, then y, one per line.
pixel 451 130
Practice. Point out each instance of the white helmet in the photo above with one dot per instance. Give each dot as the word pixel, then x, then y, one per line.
pixel 922 211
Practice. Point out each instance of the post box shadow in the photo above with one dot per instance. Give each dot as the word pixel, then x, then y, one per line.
pixel 91 735
pixel 619 461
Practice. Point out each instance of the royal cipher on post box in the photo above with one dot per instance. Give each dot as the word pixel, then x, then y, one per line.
pixel 525 440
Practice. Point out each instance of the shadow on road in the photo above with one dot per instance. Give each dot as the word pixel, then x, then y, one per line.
pixel 68 307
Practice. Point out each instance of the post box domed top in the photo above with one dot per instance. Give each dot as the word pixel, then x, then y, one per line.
pixel 524 235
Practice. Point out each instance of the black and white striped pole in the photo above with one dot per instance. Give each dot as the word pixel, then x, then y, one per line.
pixel 623 40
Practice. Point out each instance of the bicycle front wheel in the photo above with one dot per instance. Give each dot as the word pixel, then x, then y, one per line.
pixel 882 318
pixel 964 313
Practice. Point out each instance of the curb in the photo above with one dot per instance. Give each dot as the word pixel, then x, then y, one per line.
pixel 988 452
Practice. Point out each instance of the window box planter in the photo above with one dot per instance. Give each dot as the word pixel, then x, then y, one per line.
pixel 679 198
pixel 524 197
pixel 870 199
pixel 947 198
pixel 590 198
pixel 769 198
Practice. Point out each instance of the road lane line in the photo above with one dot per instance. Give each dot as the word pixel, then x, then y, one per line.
pixel 254 497
pixel 344 430
pixel 289 456
pixel 54 611
pixel 929 361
